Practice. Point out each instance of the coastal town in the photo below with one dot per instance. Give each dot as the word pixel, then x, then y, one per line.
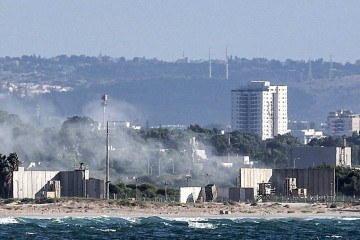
pixel 309 175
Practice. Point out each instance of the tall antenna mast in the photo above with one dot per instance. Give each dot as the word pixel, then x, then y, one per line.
pixel 331 73
pixel 210 75
pixel 104 100
pixel 227 66
pixel 310 76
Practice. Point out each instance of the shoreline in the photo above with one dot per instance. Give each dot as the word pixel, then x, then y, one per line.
pixel 82 208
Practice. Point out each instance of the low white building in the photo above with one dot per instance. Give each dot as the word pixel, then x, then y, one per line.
pixel 55 184
pixel 251 177
pixel 190 194
pixel 306 135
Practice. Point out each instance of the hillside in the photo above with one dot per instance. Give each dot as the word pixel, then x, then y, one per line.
pixel 168 92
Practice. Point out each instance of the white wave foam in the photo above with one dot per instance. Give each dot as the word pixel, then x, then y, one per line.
pixel 166 224
pixel 107 230
pixel 201 225
pixel 350 218
pixel 8 220
pixel 334 236
pixel 184 219
pixel 57 220
pixel 133 219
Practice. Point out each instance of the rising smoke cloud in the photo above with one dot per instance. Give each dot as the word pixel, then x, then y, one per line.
pixel 62 147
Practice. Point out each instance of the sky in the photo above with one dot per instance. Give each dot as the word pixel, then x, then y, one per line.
pixel 276 29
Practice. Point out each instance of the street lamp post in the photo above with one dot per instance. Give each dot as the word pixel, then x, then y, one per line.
pixel 294 163
pixel 187 179
pixel 107 160
pixel 136 181
pixel 207 178
pixel 151 169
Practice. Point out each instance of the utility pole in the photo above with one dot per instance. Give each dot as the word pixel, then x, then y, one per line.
pixel 136 184
pixel 159 166
pixel 210 74
pixel 187 179
pixel 310 76
pixel 331 73
pixel 38 114
pixel 208 178
pixel 148 166
pixel 226 65
pixel 107 162
pixel 229 146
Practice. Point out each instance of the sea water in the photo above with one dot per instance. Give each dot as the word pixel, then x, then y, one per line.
pixel 179 228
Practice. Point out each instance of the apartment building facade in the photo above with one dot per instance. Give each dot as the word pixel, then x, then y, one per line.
pixel 342 122
pixel 260 108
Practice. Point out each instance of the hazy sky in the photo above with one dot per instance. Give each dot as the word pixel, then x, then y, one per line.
pixel 276 29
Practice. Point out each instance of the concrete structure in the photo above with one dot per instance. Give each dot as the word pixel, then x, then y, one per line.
pixel 190 194
pixel 241 194
pixel 306 135
pixel 73 183
pixel 210 193
pixel 222 194
pixel 35 184
pixel 260 108
pixel 304 157
pixel 319 182
pixel 251 177
pixel 285 182
pixel 342 122
pixel 95 188
pixel 31 184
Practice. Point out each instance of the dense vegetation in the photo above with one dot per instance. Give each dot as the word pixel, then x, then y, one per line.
pixel 66 68
pixel 347 181
pixel 143 191
pixel 143 159
pixel 148 85
pixel 8 164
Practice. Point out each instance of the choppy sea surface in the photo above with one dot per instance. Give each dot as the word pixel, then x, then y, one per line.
pixel 179 228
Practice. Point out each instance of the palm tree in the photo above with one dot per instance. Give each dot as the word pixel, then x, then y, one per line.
pixel 8 165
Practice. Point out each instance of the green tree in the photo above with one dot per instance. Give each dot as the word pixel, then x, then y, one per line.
pixel 277 150
pixel 8 165
pixel 348 180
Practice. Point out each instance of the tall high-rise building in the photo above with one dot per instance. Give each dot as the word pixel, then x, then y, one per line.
pixel 260 108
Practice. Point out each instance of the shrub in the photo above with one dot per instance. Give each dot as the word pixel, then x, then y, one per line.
pixel 333 205
pixel 27 200
pixel 9 200
pixel 253 204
